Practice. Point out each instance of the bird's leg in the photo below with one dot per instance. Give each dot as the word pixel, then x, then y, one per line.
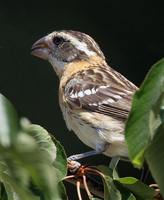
pixel 82 155
pixel 76 165
pixel 100 148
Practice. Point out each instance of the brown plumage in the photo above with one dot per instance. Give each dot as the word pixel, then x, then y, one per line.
pixel 94 98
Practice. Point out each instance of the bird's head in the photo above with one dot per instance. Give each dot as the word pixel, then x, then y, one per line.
pixel 66 47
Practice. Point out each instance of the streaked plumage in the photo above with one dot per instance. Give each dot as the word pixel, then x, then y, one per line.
pixel 94 98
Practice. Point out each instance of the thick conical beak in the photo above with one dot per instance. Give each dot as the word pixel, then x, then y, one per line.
pixel 41 48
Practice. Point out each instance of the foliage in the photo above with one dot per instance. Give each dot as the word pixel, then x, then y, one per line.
pixel 145 126
pixel 127 188
pixel 28 154
pixel 33 163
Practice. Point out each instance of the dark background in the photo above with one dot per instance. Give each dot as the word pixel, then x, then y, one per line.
pixel 130 33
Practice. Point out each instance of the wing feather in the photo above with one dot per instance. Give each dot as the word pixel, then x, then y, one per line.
pixel 112 96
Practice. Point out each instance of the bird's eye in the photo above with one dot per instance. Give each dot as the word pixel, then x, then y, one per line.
pixel 57 40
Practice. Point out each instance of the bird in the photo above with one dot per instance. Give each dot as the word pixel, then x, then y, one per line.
pixel 94 98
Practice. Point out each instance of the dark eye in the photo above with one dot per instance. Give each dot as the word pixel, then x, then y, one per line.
pixel 57 40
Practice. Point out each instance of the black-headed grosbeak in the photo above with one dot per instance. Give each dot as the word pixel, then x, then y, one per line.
pixel 94 98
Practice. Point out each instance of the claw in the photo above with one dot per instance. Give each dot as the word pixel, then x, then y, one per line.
pixel 73 166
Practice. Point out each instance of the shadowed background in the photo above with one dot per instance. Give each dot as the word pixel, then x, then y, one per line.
pixel 130 33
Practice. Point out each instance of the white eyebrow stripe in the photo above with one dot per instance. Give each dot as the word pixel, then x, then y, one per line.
pixel 81 46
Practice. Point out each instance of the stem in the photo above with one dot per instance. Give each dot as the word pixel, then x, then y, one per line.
pixel 86 186
pixel 95 170
pixel 78 190
pixel 67 177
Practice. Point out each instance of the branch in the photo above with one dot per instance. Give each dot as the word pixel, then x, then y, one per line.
pixel 95 187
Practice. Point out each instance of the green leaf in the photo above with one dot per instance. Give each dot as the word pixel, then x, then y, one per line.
pixel 113 166
pixel 43 137
pixel 162 111
pixel 137 132
pixel 60 163
pixel 110 190
pixel 62 191
pixel 105 170
pixel 15 190
pixel 9 122
pixel 3 193
pixel 137 188
pixel 155 157
pixel 162 114
pixel 27 154
pixel 125 193
pixel 112 169
pixel 27 159
pixel 39 163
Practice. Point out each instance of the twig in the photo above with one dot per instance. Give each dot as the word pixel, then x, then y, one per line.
pixel 94 186
pixel 78 189
pixel 86 186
